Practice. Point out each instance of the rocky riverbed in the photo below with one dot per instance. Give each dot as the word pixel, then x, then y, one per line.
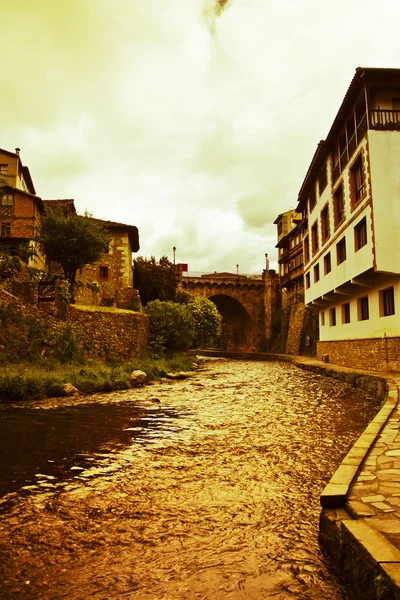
pixel 203 488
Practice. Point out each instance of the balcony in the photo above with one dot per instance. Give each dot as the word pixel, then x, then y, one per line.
pixel 385 119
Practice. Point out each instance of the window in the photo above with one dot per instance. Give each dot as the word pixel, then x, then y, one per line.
pixel 325 224
pixel 103 272
pixel 360 234
pixel 3 169
pixel 6 200
pixel 341 251
pixel 306 249
pixel 332 317
pixel 322 179
pixel 312 198
pixel 5 230
pixel 346 313
pixel 363 308
pixel 357 182
pixel 327 263
pixel 338 206
pixel 322 318
pixel 280 229
pixel 307 280
pixel 314 237
pixel 386 302
pixel 316 273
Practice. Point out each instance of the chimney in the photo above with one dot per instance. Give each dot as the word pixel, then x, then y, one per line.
pixel 17 151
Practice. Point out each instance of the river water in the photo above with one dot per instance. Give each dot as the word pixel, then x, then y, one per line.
pixel 205 488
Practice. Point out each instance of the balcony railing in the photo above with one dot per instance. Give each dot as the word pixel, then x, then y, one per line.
pixel 385 119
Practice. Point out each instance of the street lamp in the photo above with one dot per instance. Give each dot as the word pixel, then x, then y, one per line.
pixel 174 250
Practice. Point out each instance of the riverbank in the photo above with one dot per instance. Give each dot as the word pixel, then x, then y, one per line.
pixel 53 379
pixel 360 517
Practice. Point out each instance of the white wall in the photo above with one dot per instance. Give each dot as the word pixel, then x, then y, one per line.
pixel 385 175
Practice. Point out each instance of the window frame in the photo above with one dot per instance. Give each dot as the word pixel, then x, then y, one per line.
pixel 346 313
pixel 387 305
pixel 327 263
pixel 360 234
pixel 104 269
pixel 341 251
pixel 358 188
pixel 363 308
pixel 339 214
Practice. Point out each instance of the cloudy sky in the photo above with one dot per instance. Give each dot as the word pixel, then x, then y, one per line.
pixel 194 123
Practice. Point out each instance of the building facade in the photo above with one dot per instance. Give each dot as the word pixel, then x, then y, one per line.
pixel 290 255
pixel 20 209
pixel 350 202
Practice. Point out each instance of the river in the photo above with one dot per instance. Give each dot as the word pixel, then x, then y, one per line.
pixel 205 488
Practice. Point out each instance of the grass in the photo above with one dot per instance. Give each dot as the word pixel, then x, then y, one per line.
pixel 110 309
pixel 25 380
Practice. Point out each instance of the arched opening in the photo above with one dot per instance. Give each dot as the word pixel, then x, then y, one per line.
pixel 236 323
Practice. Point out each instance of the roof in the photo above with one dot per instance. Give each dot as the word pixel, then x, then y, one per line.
pixel 362 76
pixel 133 232
pixel 63 203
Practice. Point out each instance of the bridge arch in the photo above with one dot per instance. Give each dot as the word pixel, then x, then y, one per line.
pixel 236 322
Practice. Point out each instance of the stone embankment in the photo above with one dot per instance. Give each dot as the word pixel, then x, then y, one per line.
pixel 360 518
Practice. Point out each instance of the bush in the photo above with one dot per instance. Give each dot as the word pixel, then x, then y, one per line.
pixel 207 322
pixel 172 326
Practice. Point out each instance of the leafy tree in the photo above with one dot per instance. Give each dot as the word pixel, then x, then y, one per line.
pixel 72 242
pixel 171 326
pixel 154 280
pixel 207 322
pixel 9 263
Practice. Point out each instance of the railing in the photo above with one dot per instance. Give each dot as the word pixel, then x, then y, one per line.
pixel 385 119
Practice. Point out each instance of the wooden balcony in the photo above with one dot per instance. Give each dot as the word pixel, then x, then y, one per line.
pixel 385 119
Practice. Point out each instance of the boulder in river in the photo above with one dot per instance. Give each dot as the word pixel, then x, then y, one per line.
pixel 137 378
pixel 70 390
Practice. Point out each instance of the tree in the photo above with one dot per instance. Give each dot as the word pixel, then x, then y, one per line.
pixel 72 242
pixel 154 280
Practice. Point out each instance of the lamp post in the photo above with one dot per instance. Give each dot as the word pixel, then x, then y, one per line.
pixel 237 269
pixel 174 250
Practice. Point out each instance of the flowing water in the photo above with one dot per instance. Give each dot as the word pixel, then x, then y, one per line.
pixel 206 488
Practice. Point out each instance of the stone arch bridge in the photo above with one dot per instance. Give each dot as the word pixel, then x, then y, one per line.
pixel 245 303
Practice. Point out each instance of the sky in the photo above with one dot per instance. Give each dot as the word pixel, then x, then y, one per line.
pixel 195 120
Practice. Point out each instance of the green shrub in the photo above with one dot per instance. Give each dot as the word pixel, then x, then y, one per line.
pixel 172 326
pixel 207 322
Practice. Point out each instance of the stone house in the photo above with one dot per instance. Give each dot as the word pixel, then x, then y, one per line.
pixel 350 202
pixel 20 208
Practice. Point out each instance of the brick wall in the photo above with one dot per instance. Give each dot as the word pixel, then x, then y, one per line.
pixel 120 335
pixel 381 354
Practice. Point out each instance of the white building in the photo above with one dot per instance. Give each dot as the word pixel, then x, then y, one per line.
pixel 350 200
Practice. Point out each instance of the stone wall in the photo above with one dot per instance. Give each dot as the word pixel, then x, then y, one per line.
pixel 381 354
pixel 294 335
pixel 122 334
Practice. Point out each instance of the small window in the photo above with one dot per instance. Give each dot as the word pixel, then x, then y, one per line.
pixel 332 317
pixel 5 230
pixel 322 318
pixel 314 238
pixel 307 280
pixel 316 273
pixel 341 251
pixel 338 206
pixel 103 271
pixel 360 234
pixel 357 181
pixel 3 169
pixel 7 200
pixel 327 263
pixel 306 249
pixel 325 224
pixel 386 302
pixel 346 313
pixel 363 308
